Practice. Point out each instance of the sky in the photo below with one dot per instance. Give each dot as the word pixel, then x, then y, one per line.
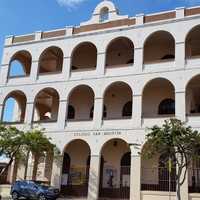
pixel 27 16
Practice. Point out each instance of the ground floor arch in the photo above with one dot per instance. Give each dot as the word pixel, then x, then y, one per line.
pixel 75 169
pixel 115 170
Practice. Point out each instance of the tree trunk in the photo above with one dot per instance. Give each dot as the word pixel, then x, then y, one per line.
pixel 178 190
pixel 35 167
pixel 26 165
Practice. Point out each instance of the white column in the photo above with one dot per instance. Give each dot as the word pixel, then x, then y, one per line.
pixel 180 55
pixel 101 59
pixel 98 112
pixel 93 186
pixel 62 114
pixel 4 74
pixel 180 105
pixel 29 113
pixel 135 182
pixel 34 70
pixel 56 174
pixel 138 59
pixel 66 68
pixel 137 111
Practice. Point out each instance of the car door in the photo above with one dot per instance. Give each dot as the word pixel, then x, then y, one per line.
pixel 32 190
pixel 23 189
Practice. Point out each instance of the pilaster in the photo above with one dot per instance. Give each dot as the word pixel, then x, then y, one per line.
pixel 180 55
pixel 180 105
pixel 98 112
pixel 101 59
pixel 62 114
pixel 137 111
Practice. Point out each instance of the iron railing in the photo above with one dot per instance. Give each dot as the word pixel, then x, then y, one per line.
pixel 194 180
pixel 158 179
pixel 76 184
pixel 120 191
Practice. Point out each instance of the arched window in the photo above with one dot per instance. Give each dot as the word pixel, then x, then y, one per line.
pixel 127 109
pixel 104 112
pixel 71 112
pixel 167 106
pixel 104 14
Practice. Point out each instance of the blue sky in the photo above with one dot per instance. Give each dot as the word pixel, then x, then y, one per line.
pixel 27 16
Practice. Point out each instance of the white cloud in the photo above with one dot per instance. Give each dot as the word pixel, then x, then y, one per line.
pixel 70 3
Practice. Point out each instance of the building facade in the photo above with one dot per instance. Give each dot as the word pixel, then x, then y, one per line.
pixel 95 89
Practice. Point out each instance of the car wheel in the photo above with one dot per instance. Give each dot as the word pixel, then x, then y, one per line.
pixel 42 197
pixel 15 196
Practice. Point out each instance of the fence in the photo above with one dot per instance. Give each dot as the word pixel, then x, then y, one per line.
pixel 194 180
pixel 115 185
pixel 75 183
pixel 158 179
pixel 3 179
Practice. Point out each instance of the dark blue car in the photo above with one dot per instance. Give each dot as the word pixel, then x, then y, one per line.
pixel 33 190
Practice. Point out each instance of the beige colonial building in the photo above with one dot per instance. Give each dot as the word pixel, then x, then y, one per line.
pixel 95 89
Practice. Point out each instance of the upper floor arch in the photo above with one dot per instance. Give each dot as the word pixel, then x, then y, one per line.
pixel 192 43
pixel 119 52
pixel 118 100
pixel 51 60
pixel 14 107
pixel 20 64
pixel 46 105
pixel 80 103
pixel 159 46
pixel 158 98
pixel 84 57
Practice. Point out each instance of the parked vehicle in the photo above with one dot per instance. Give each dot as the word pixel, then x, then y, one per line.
pixel 33 190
